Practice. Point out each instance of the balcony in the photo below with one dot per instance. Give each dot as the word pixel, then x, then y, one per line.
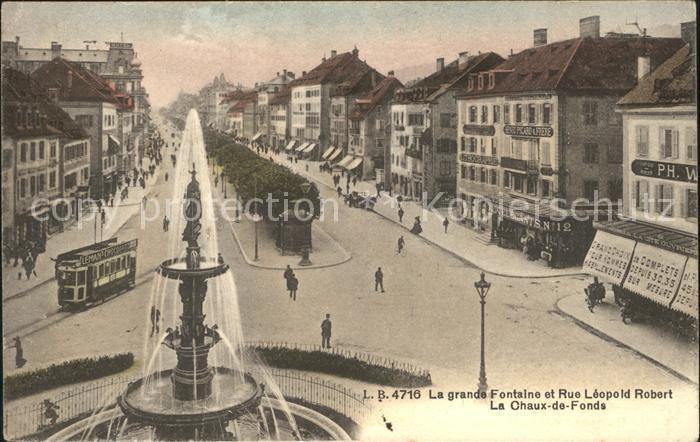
pixel 531 167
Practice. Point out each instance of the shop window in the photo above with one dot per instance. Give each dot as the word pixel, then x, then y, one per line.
pixel 506 113
pixel 494 177
pixel 691 204
pixel 664 199
pixel 641 195
pixel 590 153
pixel 532 185
pixel 496 113
pixel 642 139
pixel 517 183
pixel 546 188
pixel 547 114
pixel 615 153
pixel 590 187
pixel 506 180
pixel 668 143
pixel 615 189
pixel 691 142
pixel 590 109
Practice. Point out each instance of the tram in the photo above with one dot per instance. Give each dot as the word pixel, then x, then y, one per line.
pixel 92 273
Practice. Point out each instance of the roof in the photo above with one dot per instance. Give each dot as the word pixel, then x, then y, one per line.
pixel 281 97
pixel 450 77
pixel 581 64
pixel 19 89
pixel 343 68
pixel 240 94
pixel 86 85
pixel 385 89
pixel 80 55
pixel 671 83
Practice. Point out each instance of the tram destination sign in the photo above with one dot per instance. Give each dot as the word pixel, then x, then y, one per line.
pixel 528 131
pixel 109 252
pixel 687 173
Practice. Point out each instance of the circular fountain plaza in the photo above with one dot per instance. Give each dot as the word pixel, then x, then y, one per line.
pixel 233 398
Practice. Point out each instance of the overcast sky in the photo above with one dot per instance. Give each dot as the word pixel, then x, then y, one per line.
pixel 184 45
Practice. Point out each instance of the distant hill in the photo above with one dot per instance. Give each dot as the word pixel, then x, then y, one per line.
pixel 409 74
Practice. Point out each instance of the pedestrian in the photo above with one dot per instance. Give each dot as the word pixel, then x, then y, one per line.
pixel 347 187
pixel 288 273
pixel 401 244
pixel 326 332
pixel 166 223
pixel 292 286
pixel 401 212
pixel 445 223
pixel 103 216
pixel 28 265
pixel 354 180
pixel 50 412
pixel 379 279
pixel 155 317
pixel 19 353
pixel 340 191
pixel 220 259
pixel 166 177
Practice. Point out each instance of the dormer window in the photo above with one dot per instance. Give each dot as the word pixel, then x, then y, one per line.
pixel 470 84
pixel 481 82
pixel 492 80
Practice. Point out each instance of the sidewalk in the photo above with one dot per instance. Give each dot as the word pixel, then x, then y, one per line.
pixel 658 345
pixel 75 235
pixel 460 240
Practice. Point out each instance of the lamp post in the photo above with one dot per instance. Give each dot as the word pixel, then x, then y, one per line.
pixel 223 183
pixel 256 220
pixel 482 288
pixel 305 261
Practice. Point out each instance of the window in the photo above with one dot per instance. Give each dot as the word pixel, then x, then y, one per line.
pixel 463 171
pixel 444 168
pixel 506 114
pixel 484 114
pixel 517 149
pixel 472 114
pixel 496 113
pixel 531 114
pixel 445 120
pixel 472 173
pixel 518 183
pixel 23 188
pixel 691 142
pixel 518 113
pixel 545 154
pixel 84 120
pixel 42 150
pixel 494 177
pixel 614 153
pixel 668 143
pixel 482 146
pixel 32 185
pixel 506 179
pixel 493 147
pixel 590 187
pixel 52 150
pixel 589 113
pixel 590 153
pixel 492 80
pixel 547 114
pixel 482 175
pixel 23 153
pixel 470 84
pixel 415 119
pixel 664 199
pixel 691 203
pixel 463 145
pixel 52 180
pixel 472 145
pixel 546 188
pixel 481 81
pixel 532 185
pixel 615 189
pixel 32 151
pixel 642 136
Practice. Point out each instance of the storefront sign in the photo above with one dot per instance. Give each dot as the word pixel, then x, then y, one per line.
pixel 109 252
pixel 687 298
pixel 528 131
pixel 654 239
pixel 475 129
pixel 655 273
pixel 528 97
pixel 687 173
pixel 608 257
pixel 478 159
pixel 535 222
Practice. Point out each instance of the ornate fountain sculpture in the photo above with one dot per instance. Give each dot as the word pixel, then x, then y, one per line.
pixel 187 409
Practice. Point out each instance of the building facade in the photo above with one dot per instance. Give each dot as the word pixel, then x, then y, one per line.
pixel 280 118
pixel 266 92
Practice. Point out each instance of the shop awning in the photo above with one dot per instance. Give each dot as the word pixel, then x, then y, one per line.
pixel 335 154
pixel 302 147
pixel 113 145
pixel 345 161
pixel 354 163
pixel 290 145
pixel 309 148
pixel 655 273
pixel 328 152
pixel 672 240
pixel 257 135
pixel 687 298
pixel 608 257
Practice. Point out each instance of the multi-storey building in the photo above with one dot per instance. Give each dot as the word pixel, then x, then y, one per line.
pixel 93 104
pixel 541 126
pixel 424 128
pixel 34 134
pixel 214 108
pixel 266 92
pixel 370 131
pixel 280 118
pixel 311 98
pixel 650 252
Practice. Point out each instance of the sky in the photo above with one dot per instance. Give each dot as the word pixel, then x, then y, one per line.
pixel 183 45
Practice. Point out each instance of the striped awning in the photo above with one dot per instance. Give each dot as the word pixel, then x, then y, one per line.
pixel 335 154
pixel 345 161
pixel 302 147
pixel 328 152
pixel 354 163
pixel 257 135
pixel 309 148
pixel 290 145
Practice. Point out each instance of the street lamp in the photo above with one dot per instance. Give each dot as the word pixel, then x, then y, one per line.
pixel 256 220
pixel 223 183
pixel 482 288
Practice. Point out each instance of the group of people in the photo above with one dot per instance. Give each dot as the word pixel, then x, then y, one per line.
pixel 292 282
pixel 25 251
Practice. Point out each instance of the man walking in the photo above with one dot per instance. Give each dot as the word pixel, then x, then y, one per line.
pixel 379 279
pixel 155 319
pixel 166 223
pixel 326 332
pixel 401 244
pixel 446 223
pixel 293 285
pixel 401 214
pixel 288 273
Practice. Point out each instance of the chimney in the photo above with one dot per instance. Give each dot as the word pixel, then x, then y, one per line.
pixel 291 75
pixel 277 74
pixel 463 58
pixel 589 27
pixel 303 73
pixel 355 51
pixel 540 37
pixel 643 67
pixel 284 72
pixel 390 73
pixel 55 49
pixel 69 80
pixel 333 53
pixel 439 64
pixel 688 33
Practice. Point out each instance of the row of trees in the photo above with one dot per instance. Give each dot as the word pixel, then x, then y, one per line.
pixel 255 177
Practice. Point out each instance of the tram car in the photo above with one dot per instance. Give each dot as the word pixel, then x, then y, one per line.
pixel 92 273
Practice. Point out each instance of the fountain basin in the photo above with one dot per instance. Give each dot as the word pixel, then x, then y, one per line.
pixel 176 268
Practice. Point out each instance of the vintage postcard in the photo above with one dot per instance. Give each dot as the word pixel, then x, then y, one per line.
pixel 410 221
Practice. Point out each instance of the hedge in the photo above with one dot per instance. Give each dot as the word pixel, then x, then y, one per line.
pixel 339 365
pixel 66 373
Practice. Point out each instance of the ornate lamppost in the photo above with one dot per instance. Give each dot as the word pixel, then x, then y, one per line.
pixel 305 261
pixel 482 288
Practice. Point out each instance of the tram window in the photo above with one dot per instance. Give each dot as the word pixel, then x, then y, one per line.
pixel 81 277
pixel 68 278
pixel 102 269
pixel 124 261
pixel 81 293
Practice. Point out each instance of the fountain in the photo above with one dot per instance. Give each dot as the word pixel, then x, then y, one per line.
pixel 193 400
